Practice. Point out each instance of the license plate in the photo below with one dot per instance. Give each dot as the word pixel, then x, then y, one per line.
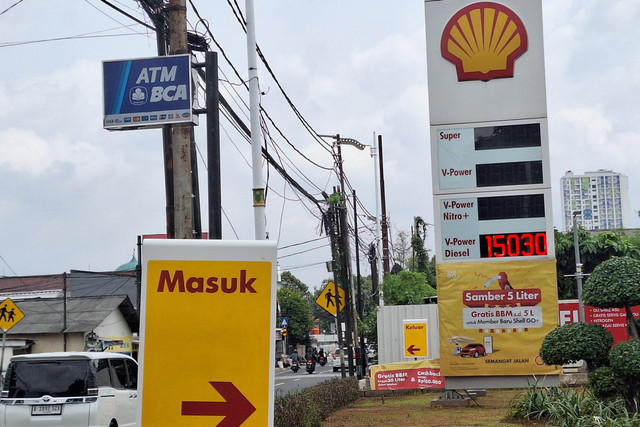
pixel 46 410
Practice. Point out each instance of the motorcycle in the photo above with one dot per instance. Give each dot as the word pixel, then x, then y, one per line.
pixel 322 360
pixel 311 364
pixel 295 366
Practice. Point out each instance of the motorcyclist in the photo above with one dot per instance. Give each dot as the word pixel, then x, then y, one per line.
pixel 311 355
pixel 295 357
pixel 321 354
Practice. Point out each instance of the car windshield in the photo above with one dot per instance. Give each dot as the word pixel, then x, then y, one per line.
pixel 56 378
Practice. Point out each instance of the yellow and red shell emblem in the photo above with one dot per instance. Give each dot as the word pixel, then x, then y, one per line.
pixel 483 40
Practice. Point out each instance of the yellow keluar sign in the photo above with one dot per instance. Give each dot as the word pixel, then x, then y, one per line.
pixel 494 317
pixel 415 338
pixel 328 300
pixel 207 332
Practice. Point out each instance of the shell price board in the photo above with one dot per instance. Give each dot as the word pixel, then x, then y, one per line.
pixel 494 226
pixel 499 155
pixel 204 302
pixel 10 314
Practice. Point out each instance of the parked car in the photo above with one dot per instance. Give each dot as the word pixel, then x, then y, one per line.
pixel 474 350
pixel 372 351
pixel 70 389
pixel 336 360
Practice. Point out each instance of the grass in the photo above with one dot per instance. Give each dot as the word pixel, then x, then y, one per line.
pixel 416 410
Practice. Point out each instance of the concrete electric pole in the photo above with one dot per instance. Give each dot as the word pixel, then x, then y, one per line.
pixel 181 133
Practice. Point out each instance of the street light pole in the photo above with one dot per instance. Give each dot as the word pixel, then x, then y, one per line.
pixel 579 273
pixel 380 271
pixel 256 145
pixel 345 265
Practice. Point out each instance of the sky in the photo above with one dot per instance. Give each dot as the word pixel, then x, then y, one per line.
pixel 76 196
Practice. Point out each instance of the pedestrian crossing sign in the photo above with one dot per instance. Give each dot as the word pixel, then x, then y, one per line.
pixel 327 298
pixel 10 314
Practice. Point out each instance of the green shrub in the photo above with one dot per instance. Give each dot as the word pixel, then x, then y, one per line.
pixel 577 341
pixel 605 383
pixel 309 407
pixel 532 404
pixel 625 358
pixel 570 408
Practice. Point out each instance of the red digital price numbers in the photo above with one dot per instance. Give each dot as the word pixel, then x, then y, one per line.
pixel 513 245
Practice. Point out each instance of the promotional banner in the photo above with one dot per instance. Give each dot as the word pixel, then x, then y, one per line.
pixel 613 319
pixel 419 374
pixel 494 317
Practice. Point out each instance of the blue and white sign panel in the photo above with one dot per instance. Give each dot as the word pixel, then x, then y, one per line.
pixel 148 92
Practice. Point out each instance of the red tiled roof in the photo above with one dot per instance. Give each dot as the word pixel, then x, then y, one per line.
pixel 33 283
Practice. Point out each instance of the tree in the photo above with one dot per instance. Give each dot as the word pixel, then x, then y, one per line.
pixel 420 257
pixel 290 281
pixel 614 283
pixel 594 249
pixel 407 287
pixel 402 249
pixel 294 306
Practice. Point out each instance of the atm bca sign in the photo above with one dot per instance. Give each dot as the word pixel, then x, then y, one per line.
pixel 147 92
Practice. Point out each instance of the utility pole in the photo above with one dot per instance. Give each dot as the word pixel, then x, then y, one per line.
pixel 329 219
pixel 181 133
pixel 362 360
pixel 376 263
pixel 385 226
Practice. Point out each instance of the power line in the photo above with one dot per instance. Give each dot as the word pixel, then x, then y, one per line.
pixel 10 7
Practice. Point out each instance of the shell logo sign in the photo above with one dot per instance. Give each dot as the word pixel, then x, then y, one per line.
pixel 483 40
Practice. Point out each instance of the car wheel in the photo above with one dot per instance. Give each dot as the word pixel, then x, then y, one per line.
pixel 476 354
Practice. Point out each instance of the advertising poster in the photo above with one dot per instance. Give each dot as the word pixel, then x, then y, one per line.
pixel 494 317
pixel 419 374
pixel 613 319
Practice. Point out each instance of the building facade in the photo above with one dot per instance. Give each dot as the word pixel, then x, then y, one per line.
pixel 600 200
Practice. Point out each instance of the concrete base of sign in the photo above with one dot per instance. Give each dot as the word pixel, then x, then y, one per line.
pixel 579 378
pixel 489 382
pixel 442 402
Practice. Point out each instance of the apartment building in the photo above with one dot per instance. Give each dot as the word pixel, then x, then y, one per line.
pixel 601 198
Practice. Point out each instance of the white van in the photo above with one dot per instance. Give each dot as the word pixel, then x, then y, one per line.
pixel 83 389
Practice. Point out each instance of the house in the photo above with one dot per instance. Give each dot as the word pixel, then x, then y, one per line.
pixel 73 324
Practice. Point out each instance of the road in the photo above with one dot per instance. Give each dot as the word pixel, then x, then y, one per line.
pixel 287 381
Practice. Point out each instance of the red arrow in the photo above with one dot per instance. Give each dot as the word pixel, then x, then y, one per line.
pixel 412 349
pixel 235 409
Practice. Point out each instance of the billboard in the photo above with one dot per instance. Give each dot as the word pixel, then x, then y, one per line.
pixel 494 317
pixel 613 320
pixel 148 92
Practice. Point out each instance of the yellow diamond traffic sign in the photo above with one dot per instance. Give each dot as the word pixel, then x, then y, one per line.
pixel 327 298
pixel 10 314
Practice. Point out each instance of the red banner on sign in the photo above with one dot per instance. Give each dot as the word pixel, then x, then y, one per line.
pixel 420 374
pixel 613 319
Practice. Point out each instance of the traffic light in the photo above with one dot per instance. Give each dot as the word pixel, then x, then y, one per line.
pixel 284 332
